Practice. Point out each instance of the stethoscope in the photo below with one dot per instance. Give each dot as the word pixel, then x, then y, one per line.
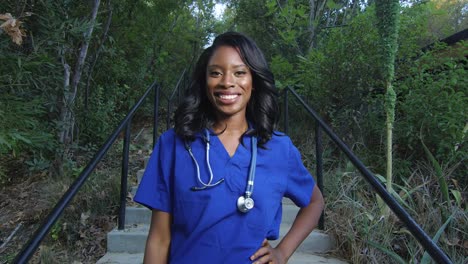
pixel 245 202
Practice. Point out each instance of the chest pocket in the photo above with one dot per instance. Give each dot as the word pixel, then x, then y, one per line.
pixel 190 210
pixel 268 193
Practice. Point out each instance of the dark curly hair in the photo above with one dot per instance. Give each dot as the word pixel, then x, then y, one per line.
pixel 195 113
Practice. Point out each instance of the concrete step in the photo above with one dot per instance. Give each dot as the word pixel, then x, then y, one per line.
pixel 130 240
pixel 137 215
pixel 146 160
pixel 289 211
pixel 121 258
pixel 140 175
pixel 133 190
pixel 297 258
pixel 137 220
pixel 304 258
pixel 133 239
pixel 127 246
pixel 316 242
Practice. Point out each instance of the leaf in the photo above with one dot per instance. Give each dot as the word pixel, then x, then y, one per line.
pixel 12 27
pixel 387 251
pixel 20 138
pixel 393 192
pixel 458 197
pixel 440 177
pixel 4 142
pixel 6 16
pixel 426 257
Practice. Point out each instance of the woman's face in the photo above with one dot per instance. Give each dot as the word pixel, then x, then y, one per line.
pixel 229 82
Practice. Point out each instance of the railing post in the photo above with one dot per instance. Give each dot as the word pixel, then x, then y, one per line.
pixel 286 111
pixel 124 176
pixel 318 152
pixel 156 113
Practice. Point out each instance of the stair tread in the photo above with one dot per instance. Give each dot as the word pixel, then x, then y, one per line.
pixel 132 239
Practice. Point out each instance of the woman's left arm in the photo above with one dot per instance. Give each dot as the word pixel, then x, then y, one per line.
pixel 306 220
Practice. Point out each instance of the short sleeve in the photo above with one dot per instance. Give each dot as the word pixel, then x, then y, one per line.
pixel 300 182
pixel 154 190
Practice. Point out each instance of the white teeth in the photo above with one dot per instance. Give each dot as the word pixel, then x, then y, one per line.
pixel 228 97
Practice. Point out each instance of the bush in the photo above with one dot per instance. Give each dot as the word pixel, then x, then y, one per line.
pixel 432 105
pixel 23 133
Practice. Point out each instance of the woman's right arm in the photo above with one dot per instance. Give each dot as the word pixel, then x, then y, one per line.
pixel 159 238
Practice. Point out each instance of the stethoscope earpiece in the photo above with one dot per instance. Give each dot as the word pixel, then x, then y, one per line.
pixel 244 203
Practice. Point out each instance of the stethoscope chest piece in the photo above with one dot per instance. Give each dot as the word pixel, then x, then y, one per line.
pixel 245 204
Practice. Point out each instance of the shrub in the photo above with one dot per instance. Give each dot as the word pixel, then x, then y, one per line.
pixel 432 105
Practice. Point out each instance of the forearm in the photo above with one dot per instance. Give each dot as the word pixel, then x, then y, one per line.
pixel 306 220
pixel 159 239
pixel 156 252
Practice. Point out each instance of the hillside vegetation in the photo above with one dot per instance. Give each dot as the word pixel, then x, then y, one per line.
pixel 70 70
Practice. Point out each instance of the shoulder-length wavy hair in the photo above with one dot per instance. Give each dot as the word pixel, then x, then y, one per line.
pixel 196 113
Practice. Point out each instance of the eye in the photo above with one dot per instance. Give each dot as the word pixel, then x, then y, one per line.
pixel 215 73
pixel 240 73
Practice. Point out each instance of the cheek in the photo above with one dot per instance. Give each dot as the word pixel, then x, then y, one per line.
pixel 246 83
pixel 209 87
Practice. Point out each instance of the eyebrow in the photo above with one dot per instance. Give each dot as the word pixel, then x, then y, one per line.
pixel 235 66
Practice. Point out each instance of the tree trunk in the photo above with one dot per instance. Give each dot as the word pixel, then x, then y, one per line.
pixel 66 122
pixel 316 10
pixel 96 56
pixel 84 49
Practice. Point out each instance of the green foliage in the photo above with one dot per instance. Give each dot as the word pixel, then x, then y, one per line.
pixel 392 254
pixel 147 41
pixel 56 230
pixel 432 104
pixel 105 110
pixel 439 174
pixel 426 257
pixel 390 102
pixel 20 126
pixel 356 220
pixel 283 69
pixel 340 79
pixel 23 135
pixel 387 12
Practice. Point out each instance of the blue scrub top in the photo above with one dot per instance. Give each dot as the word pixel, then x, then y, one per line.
pixel 207 226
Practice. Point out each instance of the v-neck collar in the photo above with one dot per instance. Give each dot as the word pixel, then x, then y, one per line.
pixel 219 147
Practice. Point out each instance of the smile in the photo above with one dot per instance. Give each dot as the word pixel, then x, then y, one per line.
pixel 227 96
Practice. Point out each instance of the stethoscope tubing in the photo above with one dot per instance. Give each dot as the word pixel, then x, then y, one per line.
pixel 251 177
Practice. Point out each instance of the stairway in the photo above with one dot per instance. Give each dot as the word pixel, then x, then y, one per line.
pixel 127 246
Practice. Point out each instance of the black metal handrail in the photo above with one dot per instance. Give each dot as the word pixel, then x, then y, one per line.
pixel 30 247
pixel 434 251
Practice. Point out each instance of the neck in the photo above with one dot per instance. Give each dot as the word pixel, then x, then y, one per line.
pixel 231 126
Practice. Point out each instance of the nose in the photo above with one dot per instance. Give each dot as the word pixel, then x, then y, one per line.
pixel 227 81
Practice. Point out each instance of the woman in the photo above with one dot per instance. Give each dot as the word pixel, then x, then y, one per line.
pixel 216 181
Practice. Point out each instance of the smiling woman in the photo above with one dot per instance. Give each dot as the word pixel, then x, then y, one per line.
pixel 229 84
pixel 210 212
